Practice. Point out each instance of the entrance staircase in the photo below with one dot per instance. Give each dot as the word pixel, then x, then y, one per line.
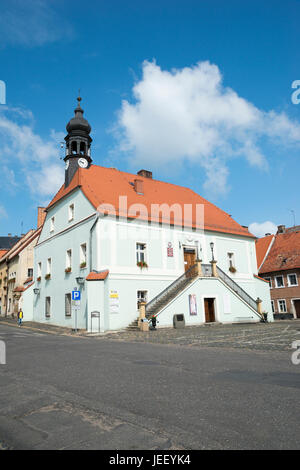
pixel 173 290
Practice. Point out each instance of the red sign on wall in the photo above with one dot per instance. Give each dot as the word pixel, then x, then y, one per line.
pixel 170 250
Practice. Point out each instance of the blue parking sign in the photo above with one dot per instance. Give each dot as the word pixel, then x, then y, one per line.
pixel 76 295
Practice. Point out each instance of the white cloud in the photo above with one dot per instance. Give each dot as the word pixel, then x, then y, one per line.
pixel 188 114
pixel 259 230
pixel 31 23
pixel 38 158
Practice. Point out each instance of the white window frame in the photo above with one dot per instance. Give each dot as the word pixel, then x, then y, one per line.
pixel 52 221
pixel 273 306
pixel 231 259
pixel 276 285
pixel 39 269
pixel 278 304
pixel 83 253
pixel 71 212
pixel 139 252
pixel 69 296
pixel 49 263
pixel 69 259
pixel 288 279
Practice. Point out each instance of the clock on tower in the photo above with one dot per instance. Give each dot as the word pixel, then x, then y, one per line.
pixel 78 144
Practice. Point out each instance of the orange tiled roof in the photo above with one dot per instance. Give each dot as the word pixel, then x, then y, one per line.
pixel 97 276
pixel 262 245
pixel 284 253
pixel 104 186
pixel 2 252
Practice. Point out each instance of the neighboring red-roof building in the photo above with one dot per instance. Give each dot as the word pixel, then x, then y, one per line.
pixel 263 246
pixel 278 260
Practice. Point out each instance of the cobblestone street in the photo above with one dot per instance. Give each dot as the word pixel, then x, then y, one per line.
pixel 276 336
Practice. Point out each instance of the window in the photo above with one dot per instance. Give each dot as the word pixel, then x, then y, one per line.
pixel 71 212
pixel 272 304
pixel 269 281
pixel 69 259
pixel 68 308
pixel 142 296
pixel 292 280
pixel 140 252
pixel 282 306
pixel 47 307
pixel 39 271
pixel 83 255
pixel 49 266
pixel 52 224
pixel 279 281
pixel 29 272
pixel 230 257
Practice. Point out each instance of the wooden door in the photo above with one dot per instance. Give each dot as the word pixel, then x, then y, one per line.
pixel 297 308
pixel 189 259
pixel 209 308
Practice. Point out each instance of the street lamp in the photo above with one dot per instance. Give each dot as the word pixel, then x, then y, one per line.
pixel 212 250
pixel 36 291
pixel 80 280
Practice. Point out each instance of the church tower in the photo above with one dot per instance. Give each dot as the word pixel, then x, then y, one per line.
pixel 78 144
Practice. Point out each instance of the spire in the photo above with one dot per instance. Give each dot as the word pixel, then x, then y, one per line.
pixel 78 143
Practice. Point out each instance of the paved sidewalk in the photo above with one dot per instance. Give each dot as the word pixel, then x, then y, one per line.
pixel 35 326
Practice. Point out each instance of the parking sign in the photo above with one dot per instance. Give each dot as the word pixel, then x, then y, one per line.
pixel 76 295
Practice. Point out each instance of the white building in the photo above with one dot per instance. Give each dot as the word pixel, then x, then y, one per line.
pixel 121 238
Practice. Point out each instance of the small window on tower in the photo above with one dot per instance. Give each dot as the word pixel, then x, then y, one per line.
pixel 74 148
pixel 71 212
pixel 82 148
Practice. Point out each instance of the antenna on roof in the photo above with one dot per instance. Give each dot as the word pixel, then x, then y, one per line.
pixel 293 212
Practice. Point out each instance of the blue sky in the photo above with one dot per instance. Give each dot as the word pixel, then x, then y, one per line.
pixel 199 92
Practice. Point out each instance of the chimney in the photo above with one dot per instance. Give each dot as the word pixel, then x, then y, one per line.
pixel 281 229
pixel 145 173
pixel 41 216
pixel 139 186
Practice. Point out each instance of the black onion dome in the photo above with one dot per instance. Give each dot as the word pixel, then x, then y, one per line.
pixel 78 123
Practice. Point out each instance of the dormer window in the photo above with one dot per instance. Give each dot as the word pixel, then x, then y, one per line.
pixel 71 212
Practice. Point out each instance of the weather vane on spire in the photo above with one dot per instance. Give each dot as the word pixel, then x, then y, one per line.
pixel 79 97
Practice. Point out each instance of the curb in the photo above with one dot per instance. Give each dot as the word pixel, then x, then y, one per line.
pixel 38 329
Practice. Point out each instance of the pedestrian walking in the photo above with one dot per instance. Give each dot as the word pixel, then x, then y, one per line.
pixel 20 317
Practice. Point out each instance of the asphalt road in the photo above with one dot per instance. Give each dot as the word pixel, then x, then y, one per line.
pixel 60 392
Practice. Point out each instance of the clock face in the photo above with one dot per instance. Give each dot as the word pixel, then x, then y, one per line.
pixel 67 164
pixel 82 162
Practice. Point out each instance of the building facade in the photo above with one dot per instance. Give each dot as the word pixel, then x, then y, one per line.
pixel 122 240
pixel 279 263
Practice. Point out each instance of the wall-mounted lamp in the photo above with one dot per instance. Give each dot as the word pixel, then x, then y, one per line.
pixel 36 291
pixel 80 280
pixel 212 250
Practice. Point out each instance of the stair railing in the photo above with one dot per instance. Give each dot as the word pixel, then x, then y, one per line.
pixel 187 275
pixel 237 289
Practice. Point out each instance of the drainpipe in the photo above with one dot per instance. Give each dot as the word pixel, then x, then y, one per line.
pixel 91 235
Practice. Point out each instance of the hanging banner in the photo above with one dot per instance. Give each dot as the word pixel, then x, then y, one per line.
pixel 193 304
